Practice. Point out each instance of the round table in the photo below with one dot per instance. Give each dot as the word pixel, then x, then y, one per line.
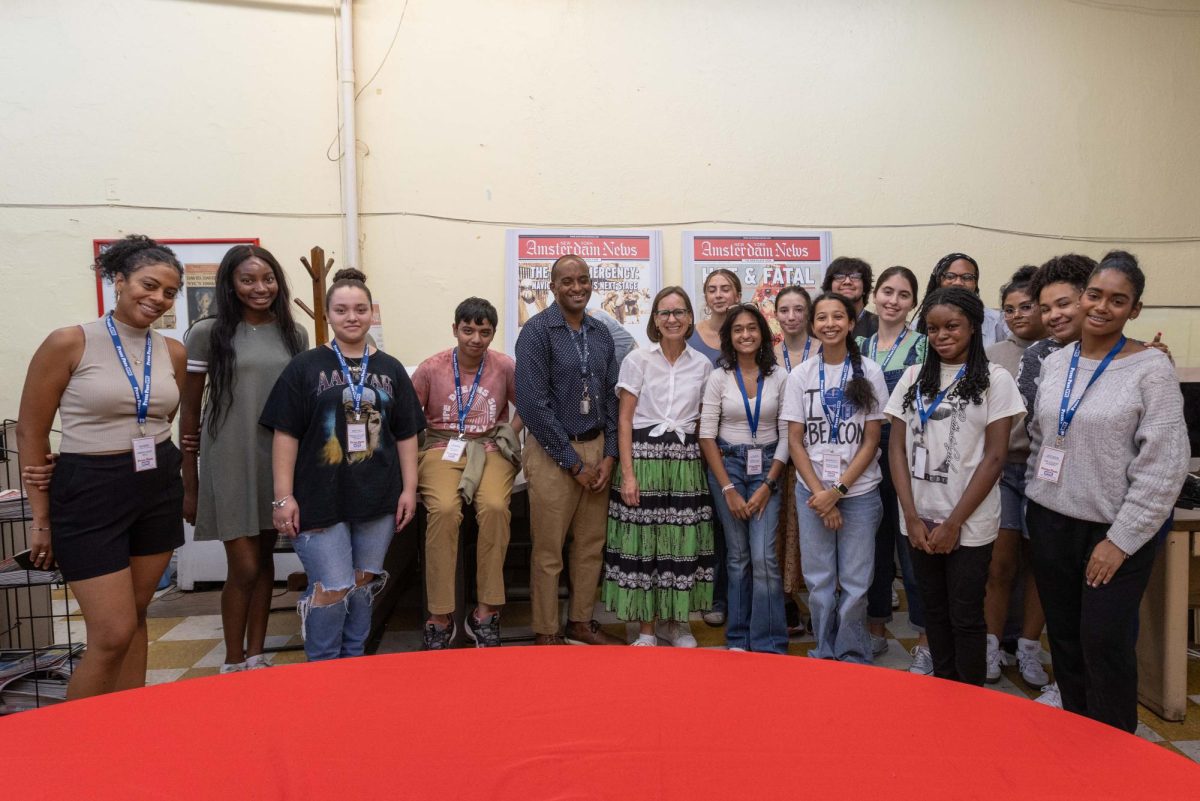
pixel 576 723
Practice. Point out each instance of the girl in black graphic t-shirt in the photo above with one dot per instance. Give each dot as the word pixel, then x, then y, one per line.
pixel 346 420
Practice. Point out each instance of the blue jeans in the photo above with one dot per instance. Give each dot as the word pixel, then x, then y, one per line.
pixel 842 559
pixel 330 557
pixel 756 618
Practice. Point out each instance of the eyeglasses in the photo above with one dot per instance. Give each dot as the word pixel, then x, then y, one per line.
pixel 842 277
pixel 1023 309
pixel 959 278
pixel 667 314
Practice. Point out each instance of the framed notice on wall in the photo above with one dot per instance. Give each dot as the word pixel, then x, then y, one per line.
pixel 200 259
pixel 765 261
pixel 626 270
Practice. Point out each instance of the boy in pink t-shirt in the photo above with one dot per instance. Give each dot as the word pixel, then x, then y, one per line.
pixel 465 392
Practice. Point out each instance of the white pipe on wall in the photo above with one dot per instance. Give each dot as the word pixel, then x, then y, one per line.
pixel 349 158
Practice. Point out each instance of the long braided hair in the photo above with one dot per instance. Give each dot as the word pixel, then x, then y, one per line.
pixel 222 359
pixel 858 388
pixel 975 380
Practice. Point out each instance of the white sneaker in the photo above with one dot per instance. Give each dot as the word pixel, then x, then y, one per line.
pixel 735 648
pixel 258 662
pixel 895 599
pixel 922 663
pixel 878 644
pixel 236 667
pixel 1050 696
pixel 993 659
pixel 1029 660
pixel 645 641
pixel 678 634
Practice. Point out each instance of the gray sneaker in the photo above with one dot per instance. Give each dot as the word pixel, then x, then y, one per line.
pixel 438 638
pixel 484 633
pixel 922 661
pixel 878 645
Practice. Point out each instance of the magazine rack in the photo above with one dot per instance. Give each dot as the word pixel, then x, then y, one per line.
pixel 27 628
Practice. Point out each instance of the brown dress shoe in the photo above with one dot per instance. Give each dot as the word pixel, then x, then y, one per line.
pixel 549 639
pixel 590 633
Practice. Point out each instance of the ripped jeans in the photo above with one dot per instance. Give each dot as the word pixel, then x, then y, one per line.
pixel 331 557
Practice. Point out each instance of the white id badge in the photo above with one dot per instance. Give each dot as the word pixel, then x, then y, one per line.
pixel 919 461
pixel 145 456
pixel 455 448
pixel 831 467
pixel 356 437
pixel 1050 464
pixel 754 461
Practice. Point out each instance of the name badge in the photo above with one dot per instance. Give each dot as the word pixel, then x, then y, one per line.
pixel 1050 464
pixel 145 456
pixel 455 449
pixel 920 459
pixel 831 467
pixel 356 437
pixel 754 465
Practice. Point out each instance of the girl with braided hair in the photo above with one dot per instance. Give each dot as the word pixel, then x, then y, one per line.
pixel 959 269
pixel 833 404
pixel 951 419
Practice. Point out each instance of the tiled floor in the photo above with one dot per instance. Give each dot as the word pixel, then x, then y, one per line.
pixel 189 646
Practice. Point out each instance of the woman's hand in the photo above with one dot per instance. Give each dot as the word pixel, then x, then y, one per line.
pixel 190 443
pixel 38 477
pixel 737 504
pixel 406 510
pixel 918 534
pixel 1104 563
pixel 287 518
pixel 832 520
pixel 41 553
pixel 823 502
pixel 944 537
pixel 758 502
pixel 629 490
pixel 189 504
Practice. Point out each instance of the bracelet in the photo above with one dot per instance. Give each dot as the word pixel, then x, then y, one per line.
pixel 279 504
pixel 39 528
pixel 727 488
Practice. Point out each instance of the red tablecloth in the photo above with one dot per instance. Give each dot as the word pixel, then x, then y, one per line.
pixel 578 723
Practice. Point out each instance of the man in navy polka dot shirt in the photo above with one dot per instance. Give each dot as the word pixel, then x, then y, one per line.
pixel 566 379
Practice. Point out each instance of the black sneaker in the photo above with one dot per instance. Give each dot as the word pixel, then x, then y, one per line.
pixel 485 633
pixel 438 638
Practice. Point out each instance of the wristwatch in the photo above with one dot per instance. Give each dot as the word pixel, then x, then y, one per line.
pixel 841 488
pixel 772 484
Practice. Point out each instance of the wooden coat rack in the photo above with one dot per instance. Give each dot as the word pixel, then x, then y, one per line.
pixel 318 268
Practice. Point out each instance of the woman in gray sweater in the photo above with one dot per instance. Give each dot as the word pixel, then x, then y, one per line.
pixel 1109 453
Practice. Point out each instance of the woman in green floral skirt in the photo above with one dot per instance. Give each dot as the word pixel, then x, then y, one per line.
pixel 659 559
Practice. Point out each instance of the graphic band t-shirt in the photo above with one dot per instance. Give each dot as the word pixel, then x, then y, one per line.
pixel 953 440
pixel 802 404
pixel 433 382
pixel 312 402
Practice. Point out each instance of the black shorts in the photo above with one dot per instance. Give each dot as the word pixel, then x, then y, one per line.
pixel 102 511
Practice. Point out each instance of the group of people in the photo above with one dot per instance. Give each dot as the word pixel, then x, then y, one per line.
pixel 716 472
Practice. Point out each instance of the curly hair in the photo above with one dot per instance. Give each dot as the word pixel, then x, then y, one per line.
pixel 848 264
pixel 1070 268
pixel 764 357
pixel 858 390
pixel 975 381
pixel 222 361
pixel 1019 282
pixel 127 256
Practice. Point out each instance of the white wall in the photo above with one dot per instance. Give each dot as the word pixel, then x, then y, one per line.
pixel 1043 116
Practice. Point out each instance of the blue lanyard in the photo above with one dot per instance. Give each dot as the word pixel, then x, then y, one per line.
pixel 584 353
pixel 141 395
pixel 463 410
pixel 1067 414
pixel 787 358
pixel 356 390
pixel 924 413
pixel 751 419
pixel 891 352
pixel 835 418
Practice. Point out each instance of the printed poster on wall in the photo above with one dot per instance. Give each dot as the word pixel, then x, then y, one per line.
pixel 765 261
pixel 626 270
pixel 200 259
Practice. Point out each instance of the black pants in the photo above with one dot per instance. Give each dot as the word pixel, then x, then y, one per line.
pixel 1093 631
pixel 952 587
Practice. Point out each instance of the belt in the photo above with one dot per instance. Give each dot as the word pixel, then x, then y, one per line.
pixel 586 436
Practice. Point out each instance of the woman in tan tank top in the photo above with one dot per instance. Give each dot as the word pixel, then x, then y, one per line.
pixel 113 512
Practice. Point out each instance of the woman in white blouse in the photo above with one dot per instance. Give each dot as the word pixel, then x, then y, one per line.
pixel 745 445
pixel 658 559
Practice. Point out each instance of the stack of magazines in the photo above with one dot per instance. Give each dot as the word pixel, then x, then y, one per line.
pixel 13 506
pixel 17 570
pixel 29 679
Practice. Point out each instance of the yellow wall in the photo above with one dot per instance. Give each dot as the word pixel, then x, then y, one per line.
pixel 1051 117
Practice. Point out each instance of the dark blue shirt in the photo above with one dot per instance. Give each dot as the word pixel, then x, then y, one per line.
pixel 550 383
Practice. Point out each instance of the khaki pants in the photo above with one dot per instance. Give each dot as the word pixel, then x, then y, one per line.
pixel 437 481
pixel 558 505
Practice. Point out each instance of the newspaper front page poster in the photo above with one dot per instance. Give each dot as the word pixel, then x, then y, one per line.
pixel 765 261
pixel 626 270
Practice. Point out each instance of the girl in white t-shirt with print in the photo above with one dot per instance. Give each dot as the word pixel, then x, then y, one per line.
pixel 834 407
pixel 950 440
